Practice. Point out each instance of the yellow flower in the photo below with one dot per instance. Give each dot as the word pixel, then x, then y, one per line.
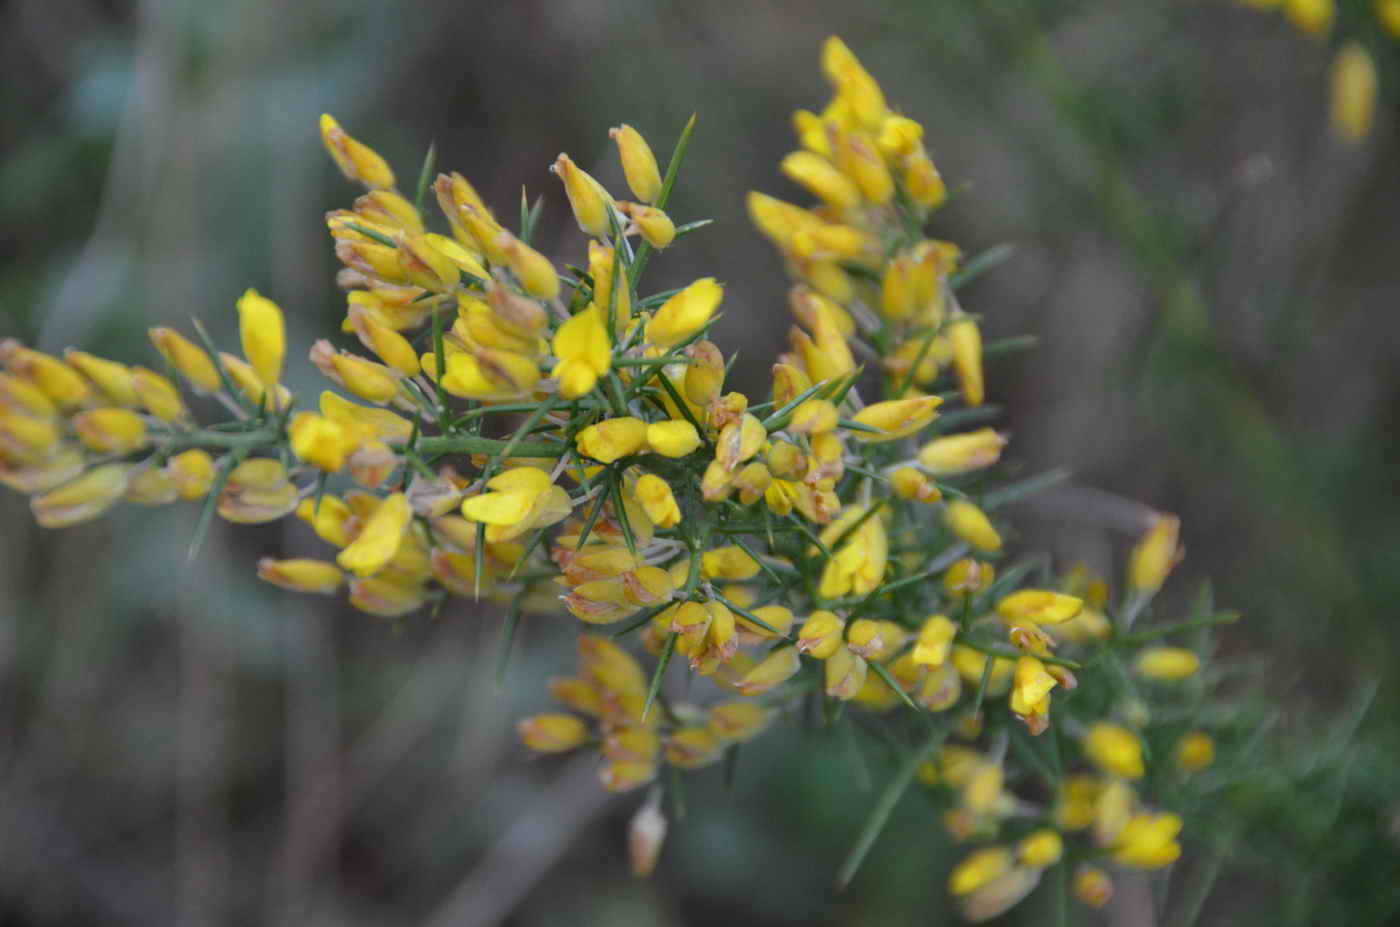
pixel 971 525
pixel 638 163
pixel 519 500
pixel 1114 749
pixel 380 537
pixel 1030 693
pixel 358 162
pixel 612 439
pixel 1148 841
pixel 320 441
pixel 685 313
pixel 581 344
pixel 1354 87
pixel 935 641
pixel 858 566
pixel 1039 606
pixel 264 337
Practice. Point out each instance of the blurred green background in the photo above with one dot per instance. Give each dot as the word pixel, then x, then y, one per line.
pixel 1212 278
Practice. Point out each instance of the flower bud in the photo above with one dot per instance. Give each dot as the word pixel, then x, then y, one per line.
pixel 82 499
pixel 263 335
pixel 923 182
pixel 957 454
pixel 534 271
pixel 1040 849
pixel 909 483
pixel 612 439
pixel 704 375
pixel 111 430
pixel 776 668
pixel 358 162
pixel 672 438
pixel 157 394
pixel 112 378
pixel 822 179
pixel 552 733
pixel 301 575
pixel 752 481
pixel 1167 664
pixel 655 226
pixel 188 358
pixel 1092 886
pixel 1114 749
pixel 966 339
pixel 602 259
pixel 590 202
pixel 638 163
pixel 193 473
pixel 979 869
pixel 51 376
pixel 972 526
pixel 820 634
pixel 845 673
pixel 1195 752
pixel 1155 555
pixel 657 500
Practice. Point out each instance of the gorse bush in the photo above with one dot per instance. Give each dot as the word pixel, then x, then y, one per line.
pixel 837 548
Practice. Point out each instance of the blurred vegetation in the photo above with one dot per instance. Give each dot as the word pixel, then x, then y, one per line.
pixel 1209 273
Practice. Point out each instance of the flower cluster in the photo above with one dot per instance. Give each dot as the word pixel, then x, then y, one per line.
pixel 537 435
pixel 1355 79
